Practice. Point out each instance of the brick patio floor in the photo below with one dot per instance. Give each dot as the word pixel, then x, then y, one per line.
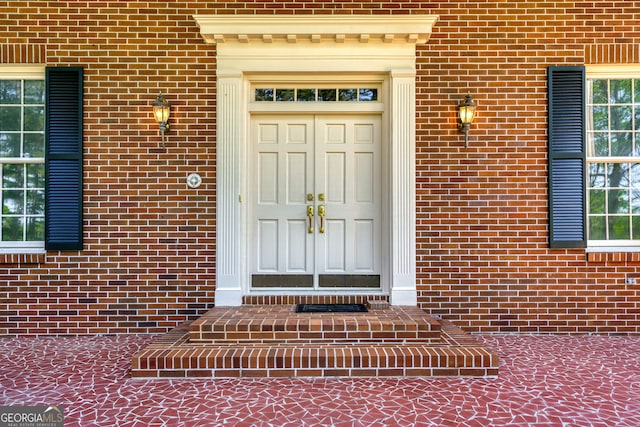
pixel 543 381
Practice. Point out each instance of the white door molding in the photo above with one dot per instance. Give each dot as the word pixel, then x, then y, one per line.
pixel 261 45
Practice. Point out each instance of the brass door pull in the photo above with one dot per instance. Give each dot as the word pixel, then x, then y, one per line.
pixel 310 216
pixel 321 214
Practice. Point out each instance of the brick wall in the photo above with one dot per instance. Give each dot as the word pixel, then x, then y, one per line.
pixel 483 258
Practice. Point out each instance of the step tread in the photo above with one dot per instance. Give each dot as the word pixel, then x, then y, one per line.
pixel 283 323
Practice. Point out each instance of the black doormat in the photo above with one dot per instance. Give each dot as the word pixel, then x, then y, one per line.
pixel 331 308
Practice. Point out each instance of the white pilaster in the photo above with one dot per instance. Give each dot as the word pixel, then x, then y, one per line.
pixel 229 138
pixel 403 184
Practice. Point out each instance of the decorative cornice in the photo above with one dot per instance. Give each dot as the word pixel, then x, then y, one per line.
pixel 316 28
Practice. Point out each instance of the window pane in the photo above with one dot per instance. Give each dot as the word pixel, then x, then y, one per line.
pixel 620 92
pixel 596 201
pixel 264 94
pixel 327 94
pixel 597 229
pixel 10 144
pixel 637 116
pixel 13 202
pixel 10 92
pixel 10 118
pixel 618 175
pixel 600 144
pixel 635 201
pixel 35 175
pixel 635 227
pixel 33 118
pixel 597 175
pixel 599 90
pixel 621 144
pixel 33 145
pixel 636 83
pixel 619 228
pixel 618 201
pixel 600 118
pixel 635 175
pixel 12 229
pixel 284 94
pixel 305 95
pixel 35 202
pixel 348 94
pixel 35 229
pixel 34 91
pixel 368 95
pixel 12 176
pixel 621 117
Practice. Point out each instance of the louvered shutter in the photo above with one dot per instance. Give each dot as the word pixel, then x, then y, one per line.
pixel 567 157
pixel 63 158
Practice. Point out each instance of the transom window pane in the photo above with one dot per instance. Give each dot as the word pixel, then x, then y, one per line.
pixel 22 174
pixel 307 94
pixel 285 94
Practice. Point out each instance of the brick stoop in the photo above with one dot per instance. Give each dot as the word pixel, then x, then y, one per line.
pixel 274 341
pixel 273 324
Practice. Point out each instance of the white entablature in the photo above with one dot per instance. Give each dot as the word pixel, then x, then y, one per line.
pixel 414 29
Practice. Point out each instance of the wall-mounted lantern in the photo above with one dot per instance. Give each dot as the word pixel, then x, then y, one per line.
pixel 161 112
pixel 466 114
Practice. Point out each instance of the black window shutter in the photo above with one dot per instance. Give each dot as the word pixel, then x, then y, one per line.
pixel 63 158
pixel 567 157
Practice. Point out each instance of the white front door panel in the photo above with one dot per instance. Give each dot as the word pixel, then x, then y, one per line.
pixel 321 162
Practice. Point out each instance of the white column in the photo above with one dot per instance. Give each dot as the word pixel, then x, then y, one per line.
pixel 228 238
pixel 403 188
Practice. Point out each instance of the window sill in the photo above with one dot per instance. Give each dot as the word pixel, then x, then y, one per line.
pixel 22 258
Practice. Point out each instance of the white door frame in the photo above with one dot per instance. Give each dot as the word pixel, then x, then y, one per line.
pixel 333 45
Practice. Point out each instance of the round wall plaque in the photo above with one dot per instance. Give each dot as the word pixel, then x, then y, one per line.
pixel 194 180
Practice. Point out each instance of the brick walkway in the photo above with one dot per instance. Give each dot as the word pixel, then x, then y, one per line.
pixel 543 381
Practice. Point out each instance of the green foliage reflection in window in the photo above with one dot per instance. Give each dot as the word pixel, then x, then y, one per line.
pixel 352 94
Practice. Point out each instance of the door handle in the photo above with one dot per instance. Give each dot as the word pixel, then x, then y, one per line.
pixel 310 216
pixel 321 214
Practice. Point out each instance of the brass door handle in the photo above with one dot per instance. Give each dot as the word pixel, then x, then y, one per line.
pixel 310 216
pixel 321 214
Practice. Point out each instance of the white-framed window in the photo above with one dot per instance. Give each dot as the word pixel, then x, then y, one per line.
pixel 295 93
pixel 22 169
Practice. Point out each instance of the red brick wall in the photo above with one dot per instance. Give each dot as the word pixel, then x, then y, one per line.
pixel 483 258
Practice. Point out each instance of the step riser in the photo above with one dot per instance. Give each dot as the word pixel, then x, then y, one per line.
pixel 325 361
pixel 356 337
pixel 304 373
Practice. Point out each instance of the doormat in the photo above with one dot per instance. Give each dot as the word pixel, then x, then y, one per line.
pixel 331 308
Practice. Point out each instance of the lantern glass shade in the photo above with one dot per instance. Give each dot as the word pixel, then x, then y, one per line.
pixel 161 109
pixel 467 110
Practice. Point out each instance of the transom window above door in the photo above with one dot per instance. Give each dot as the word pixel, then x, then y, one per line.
pixel 316 94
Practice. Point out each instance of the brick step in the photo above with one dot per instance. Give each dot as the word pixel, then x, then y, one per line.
pixel 274 341
pixel 280 324
pixel 184 359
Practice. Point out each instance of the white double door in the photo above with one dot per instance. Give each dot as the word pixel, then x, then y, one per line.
pixel 315 201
